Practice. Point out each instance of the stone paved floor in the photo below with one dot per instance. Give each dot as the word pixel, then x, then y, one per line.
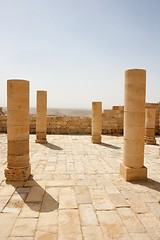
pixel 76 193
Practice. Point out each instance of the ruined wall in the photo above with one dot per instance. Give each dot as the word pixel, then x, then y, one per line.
pixel 157 124
pixel 3 121
pixel 112 122
pixel 64 125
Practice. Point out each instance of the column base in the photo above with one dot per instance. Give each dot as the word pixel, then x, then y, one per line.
pixel 96 139
pixel 150 140
pixel 17 174
pixel 41 140
pixel 41 137
pixel 133 174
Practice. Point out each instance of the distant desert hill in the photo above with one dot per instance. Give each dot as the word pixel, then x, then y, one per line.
pixel 62 112
pixel 68 112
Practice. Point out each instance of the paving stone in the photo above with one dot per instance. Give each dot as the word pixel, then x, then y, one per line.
pixel 7 221
pixel 92 233
pixel 11 210
pixel 131 222
pixel 24 227
pixel 82 194
pixel 15 203
pixel 152 225
pixel 83 179
pixel 3 202
pixel 20 238
pixel 47 221
pixel 22 190
pixel 112 225
pixel 19 197
pixel 139 187
pixel 7 190
pixel 62 176
pixel 30 210
pixel 103 204
pixel 69 225
pixel 140 236
pixel 47 226
pixel 40 235
pixel 67 198
pixel 87 215
pixel 155 209
pixel 49 204
pixel 119 200
pixel 137 204
pixel 147 197
pixel 111 188
pixel 62 183
pixel 35 194
pixel 31 182
pixel 125 237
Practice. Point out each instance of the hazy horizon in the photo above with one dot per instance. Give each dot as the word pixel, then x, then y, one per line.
pixel 61 111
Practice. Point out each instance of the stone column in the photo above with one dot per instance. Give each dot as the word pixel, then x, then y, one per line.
pixel 41 117
pixel 96 122
pixel 132 167
pixel 150 120
pixel 18 166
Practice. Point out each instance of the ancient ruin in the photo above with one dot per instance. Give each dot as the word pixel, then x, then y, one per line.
pixel 74 179
pixel 112 122
pixel 18 166
pixel 41 117
pixel 96 122
pixel 150 126
pixel 132 167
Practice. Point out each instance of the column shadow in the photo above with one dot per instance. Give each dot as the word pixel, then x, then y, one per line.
pixel 108 145
pixel 149 183
pixel 51 146
pixel 34 196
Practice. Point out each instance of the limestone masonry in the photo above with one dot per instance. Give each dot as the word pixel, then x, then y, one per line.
pixel 112 122
pixel 41 116
pixel 133 167
pixel 18 166
pixel 150 126
pixel 96 122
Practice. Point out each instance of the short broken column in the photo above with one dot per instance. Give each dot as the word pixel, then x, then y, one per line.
pixel 96 122
pixel 150 120
pixel 132 167
pixel 18 166
pixel 41 117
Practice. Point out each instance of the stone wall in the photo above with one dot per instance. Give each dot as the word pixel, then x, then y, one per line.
pixel 3 121
pixel 112 122
pixel 64 125
pixel 157 124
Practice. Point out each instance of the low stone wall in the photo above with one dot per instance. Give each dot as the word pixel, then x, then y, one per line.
pixel 3 122
pixel 64 125
pixel 112 122
pixel 157 124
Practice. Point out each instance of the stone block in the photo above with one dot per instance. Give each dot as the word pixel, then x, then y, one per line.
pixel 17 174
pixel 133 174
pixel 18 147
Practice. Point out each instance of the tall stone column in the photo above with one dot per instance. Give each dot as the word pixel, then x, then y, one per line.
pixel 96 122
pixel 18 166
pixel 132 167
pixel 41 117
pixel 150 120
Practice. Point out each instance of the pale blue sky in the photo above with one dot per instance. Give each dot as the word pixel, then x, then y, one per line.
pixel 78 50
